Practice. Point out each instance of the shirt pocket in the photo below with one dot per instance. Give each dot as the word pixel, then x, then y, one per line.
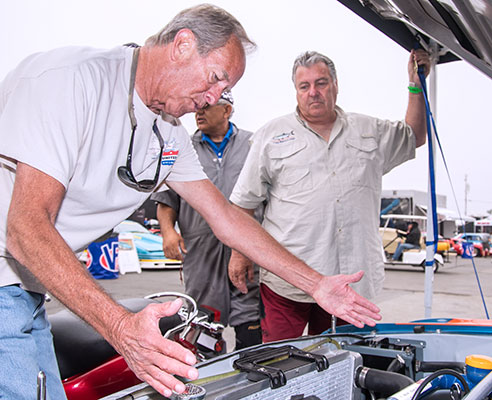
pixel 291 169
pixel 364 167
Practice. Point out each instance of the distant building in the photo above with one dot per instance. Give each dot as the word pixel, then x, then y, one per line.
pixel 484 225
pixel 409 202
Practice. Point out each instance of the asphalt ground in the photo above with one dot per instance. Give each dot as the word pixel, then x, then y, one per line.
pixel 455 291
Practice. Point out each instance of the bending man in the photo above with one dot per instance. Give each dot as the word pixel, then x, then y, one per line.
pixel 100 135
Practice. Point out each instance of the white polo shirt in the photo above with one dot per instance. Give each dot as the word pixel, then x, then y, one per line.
pixel 65 113
pixel 324 197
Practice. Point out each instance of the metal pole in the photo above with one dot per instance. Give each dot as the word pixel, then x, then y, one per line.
pixel 429 270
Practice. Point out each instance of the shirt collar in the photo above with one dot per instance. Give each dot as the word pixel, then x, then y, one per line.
pixel 219 150
pixel 337 127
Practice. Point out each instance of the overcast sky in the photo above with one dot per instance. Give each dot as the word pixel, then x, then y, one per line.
pixel 371 72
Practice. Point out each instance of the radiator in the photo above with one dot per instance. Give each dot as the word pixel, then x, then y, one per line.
pixel 302 381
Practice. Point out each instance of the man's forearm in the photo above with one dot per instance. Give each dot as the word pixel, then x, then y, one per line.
pixel 172 242
pixel 243 233
pixel 166 216
pixel 250 212
pixel 55 265
pixel 415 117
pixel 35 203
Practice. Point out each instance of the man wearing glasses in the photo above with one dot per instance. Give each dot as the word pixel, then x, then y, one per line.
pixel 85 136
pixel 222 149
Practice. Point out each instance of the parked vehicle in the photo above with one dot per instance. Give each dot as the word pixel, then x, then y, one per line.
pixel 391 237
pixel 90 368
pixel 480 241
pixel 443 245
pixel 148 245
pixel 152 225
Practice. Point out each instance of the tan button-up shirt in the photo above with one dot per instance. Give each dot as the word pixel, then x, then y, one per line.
pixel 324 197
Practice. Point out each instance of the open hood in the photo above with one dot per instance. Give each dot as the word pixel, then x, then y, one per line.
pixel 461 29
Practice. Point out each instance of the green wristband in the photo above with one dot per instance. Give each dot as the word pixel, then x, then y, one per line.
pixel 414 89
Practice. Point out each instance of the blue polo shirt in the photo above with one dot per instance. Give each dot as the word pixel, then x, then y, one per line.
pixel 218 150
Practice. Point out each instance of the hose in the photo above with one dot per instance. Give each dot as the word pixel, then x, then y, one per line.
pixel 432 366
pixel 384 382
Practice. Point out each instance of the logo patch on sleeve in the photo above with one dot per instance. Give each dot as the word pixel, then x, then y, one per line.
pixel 169 153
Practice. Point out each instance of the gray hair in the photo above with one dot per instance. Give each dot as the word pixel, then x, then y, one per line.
pixel 211 25
pixel 308 59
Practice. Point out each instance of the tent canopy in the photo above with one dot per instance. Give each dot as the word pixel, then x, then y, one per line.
pixel 445 214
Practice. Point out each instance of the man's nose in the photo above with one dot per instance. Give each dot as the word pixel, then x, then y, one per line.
pixel 313 92
pixel 213 94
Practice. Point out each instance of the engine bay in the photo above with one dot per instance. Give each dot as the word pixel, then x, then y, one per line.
pixel 394 365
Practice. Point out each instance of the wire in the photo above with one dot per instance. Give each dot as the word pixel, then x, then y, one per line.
pixel 430 119
pixel 432 180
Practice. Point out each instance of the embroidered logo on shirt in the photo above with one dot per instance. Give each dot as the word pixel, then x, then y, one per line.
pixel 169 153
pixel 284 137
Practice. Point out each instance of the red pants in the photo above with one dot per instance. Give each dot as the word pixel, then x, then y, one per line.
pixel 286 319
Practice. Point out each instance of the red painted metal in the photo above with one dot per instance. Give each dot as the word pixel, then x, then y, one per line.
pixel 110 377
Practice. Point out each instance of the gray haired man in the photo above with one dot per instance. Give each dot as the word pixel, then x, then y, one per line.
pixel 101 134
pixel 320 169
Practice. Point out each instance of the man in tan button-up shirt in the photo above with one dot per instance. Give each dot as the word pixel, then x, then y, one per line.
pixel 320 169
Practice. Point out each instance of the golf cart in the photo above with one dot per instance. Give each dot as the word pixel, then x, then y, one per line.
pixel 391 236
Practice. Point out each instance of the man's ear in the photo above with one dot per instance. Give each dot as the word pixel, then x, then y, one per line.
pixel 184 45
pixel 228 110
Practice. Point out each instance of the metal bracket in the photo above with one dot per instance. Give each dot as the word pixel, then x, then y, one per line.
pixel 251 362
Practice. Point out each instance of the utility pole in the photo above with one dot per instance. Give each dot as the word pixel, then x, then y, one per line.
pixel 467 189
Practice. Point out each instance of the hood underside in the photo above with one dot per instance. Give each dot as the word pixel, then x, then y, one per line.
pixel 461 29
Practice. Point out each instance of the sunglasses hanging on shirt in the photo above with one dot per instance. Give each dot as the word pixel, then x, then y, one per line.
pixel 125 173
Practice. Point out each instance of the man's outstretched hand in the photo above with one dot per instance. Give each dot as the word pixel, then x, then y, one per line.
pixel 334 294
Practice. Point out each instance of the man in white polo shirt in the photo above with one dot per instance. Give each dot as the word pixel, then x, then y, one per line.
pixel 320 170
pixel 85 136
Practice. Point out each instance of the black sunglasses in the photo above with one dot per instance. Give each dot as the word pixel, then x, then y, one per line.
pixel 125 173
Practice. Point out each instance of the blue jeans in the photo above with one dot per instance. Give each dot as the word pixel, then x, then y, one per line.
pixel 26 346
pixel 401 247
